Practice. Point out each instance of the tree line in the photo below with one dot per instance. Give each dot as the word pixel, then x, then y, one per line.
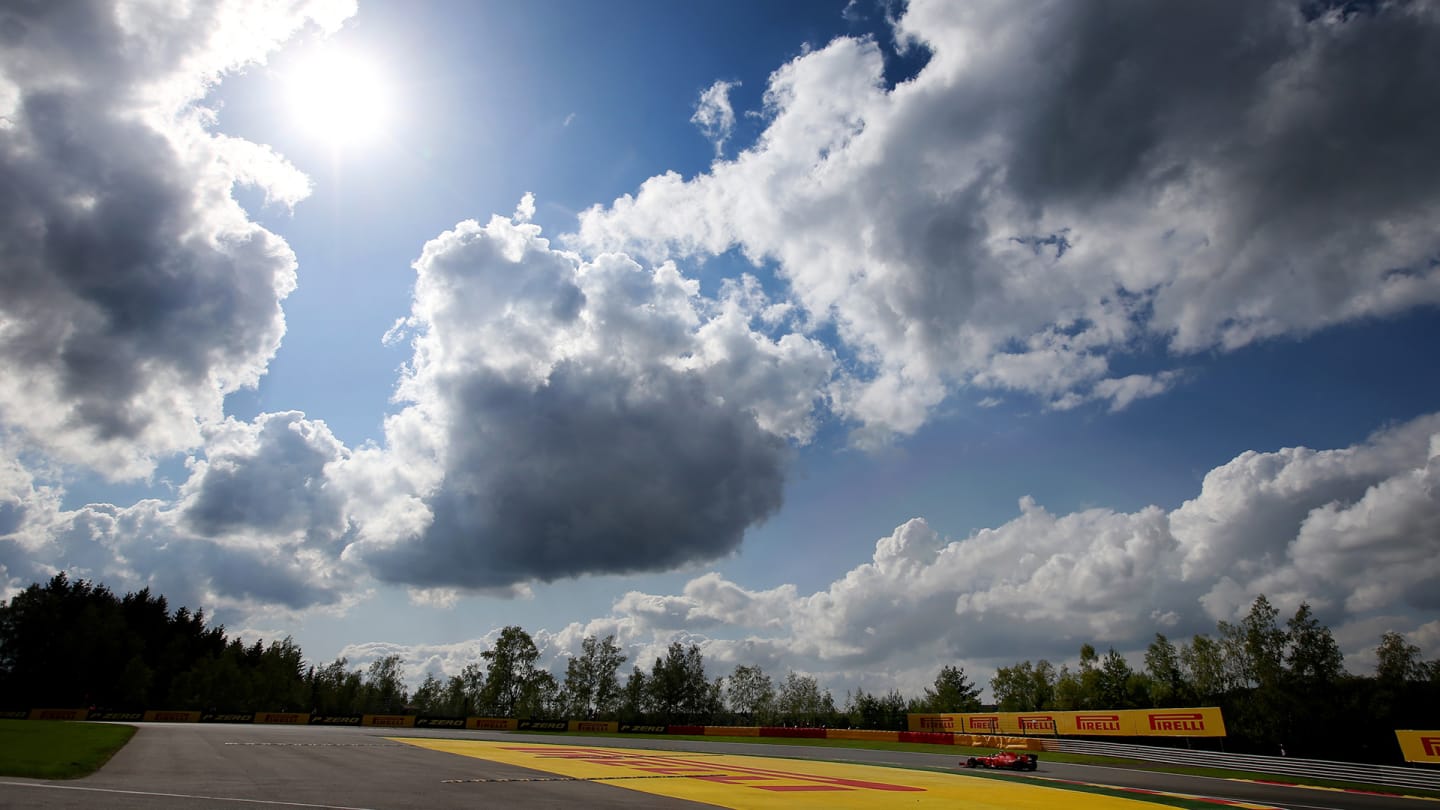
pixel 70 643
pixel 1282 689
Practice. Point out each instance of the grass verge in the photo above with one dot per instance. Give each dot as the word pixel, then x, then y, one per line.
pixel 959 751
pixel 47 749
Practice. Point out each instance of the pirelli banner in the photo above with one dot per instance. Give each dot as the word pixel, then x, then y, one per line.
pixel 388 720
pixel 1202 722
pixel 491 723
pixel 1420 746
pixel 594 726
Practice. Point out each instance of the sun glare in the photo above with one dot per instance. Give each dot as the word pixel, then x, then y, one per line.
pixel 339 97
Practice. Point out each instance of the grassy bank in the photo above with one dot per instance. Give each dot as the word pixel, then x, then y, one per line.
pixel 46 749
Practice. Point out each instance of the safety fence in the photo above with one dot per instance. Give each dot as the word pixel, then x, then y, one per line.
pixel 1254 763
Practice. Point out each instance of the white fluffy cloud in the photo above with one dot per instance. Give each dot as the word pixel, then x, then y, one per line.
pixel 255 529
pixel 714 115
pixel 1350 530
pixel 137 291
pixel 1062 184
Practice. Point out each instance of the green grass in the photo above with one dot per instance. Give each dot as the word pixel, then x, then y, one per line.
pixel 49 749
pixel 960 751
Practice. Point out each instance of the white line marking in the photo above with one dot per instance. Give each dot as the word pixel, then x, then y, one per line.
pixel 181 796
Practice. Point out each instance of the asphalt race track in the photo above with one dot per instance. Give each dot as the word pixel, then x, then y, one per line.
pixel 201 765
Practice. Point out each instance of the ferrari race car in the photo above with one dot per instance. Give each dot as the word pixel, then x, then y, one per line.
pixel 1005 761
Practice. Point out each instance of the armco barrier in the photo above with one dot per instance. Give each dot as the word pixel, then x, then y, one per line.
pixel 862 734
pixel 58 714
pixel 160 716
pixel 595 726
pixel 282 718
pixel 732 731
pixel 1188 722
pixel 931 737
pixel 385 720
pixel 336 719
pixel 541 725
pixel 227 717
pixel 1279 766
pixel 794 733
pixel 491 724
pixel 431 721
pixel 115 717
pixel 694 731
pixel 997 741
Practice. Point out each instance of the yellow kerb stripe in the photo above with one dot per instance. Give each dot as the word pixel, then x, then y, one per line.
pixel 764 782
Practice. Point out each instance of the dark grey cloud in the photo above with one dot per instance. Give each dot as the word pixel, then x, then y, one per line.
pixel 575 418
pixel 137 291
pixel 593 472
pixel 259 524
pixel 269 476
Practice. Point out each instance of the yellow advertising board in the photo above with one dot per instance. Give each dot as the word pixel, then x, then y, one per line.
pixel 391 720
pixel 1198 722
pixel 491 723
pixel 598 726
pixel 1420 746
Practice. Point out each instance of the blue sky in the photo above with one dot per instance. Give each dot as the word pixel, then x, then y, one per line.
pixel 742 323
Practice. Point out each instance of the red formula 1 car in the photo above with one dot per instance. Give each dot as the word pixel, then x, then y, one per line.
pixel 1005 761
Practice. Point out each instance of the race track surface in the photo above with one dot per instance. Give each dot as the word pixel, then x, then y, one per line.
pixel 235 766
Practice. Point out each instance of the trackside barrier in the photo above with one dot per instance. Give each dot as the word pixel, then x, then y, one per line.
pixel 1419 746
pixel 227 717
pixel 542 725
pixel 387 720
pixel 1283 766
pixel 1188 722
pixel 732 731
pixel 640 728
pixel 154 716
pixel 115 717
pixel 862 734
pixel 929 737
pixel 433 721
pixel 596 726
pixel 336 719
pixel 794 733
pixel 491 723
pixel 694 731
pixel 58 714
pixel 282 718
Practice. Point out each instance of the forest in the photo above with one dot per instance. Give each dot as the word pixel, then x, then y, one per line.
pixel 1283 689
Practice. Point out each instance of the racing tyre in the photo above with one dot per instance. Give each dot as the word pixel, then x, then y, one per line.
pixel 971 763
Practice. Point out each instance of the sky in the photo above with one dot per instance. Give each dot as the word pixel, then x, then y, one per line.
pixel 846 338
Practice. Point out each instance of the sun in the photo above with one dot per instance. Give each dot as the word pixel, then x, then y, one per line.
pixel 339 97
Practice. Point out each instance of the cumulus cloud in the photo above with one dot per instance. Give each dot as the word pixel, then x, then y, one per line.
pixel 583 416
pixel 137 291
pixel 1350 530
pixel 1064 183
pixel 714 115
pixel 255 529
